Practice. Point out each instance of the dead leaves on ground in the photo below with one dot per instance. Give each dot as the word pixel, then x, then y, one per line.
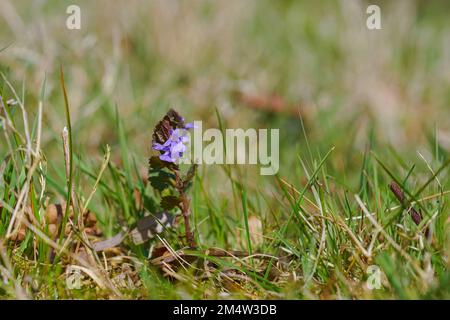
pixel 52 222
pixel 232 272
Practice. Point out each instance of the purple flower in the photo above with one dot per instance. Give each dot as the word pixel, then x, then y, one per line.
pixel 173 149
pixel 190 125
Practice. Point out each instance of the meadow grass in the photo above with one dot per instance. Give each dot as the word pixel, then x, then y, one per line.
pixel 359 111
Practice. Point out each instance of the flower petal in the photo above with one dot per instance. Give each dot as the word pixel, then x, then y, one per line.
pixel 157 146
pixel 177 148
pixel 166 157
pixel 190 125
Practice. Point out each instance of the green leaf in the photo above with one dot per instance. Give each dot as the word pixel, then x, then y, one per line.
pixel 156 164
pixel 161 180
pixel 170 202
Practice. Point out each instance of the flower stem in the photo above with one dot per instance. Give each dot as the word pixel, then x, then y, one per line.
pixel 186 213
pixel 184 206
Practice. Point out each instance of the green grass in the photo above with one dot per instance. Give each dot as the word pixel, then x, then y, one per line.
pixel 374 109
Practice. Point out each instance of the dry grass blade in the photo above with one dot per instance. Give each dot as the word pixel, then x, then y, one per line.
pixel 394 244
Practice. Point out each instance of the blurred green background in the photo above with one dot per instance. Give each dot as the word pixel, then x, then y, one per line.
pixel 317 58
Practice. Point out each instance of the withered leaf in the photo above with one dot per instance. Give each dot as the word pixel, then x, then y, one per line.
pixel 162 131
pixel 175 119
pixel 147 227
pixel 171 120
pixel 109 243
